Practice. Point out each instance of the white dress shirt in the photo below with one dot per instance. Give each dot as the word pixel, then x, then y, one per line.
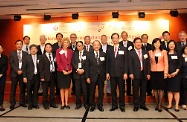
pixel 24 48
pixel 104 47
pixel 52 65
pixel 20 62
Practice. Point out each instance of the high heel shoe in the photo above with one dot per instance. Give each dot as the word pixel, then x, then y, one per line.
pixel 156 108
pixel 159 108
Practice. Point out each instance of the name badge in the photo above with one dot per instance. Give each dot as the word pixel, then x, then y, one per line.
pixel 83 57
pixel 185 59
pixel 121 52
pixel 38 61
pixel 61 52
pixel 174 57
pixel 145 56
pixel 183 55
pixel 79 65
pixel 102 58
pixel 55 59
pixel 158 54
pixel 130 48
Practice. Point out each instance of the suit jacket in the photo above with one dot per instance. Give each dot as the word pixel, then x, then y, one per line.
pixel 90 49
pixel 44 67
pixel 28 67
pixel 64 63
pixel 3 64
pixel 162 64
pixel 135 66
pixel 14 63
pixel 179 47
pixel 108 46
pixel 116 67
pixel 75 61
pixel 70 47
pixel 55 48
pixel 92 67
pixel 164 46
pixel 147 48
pixel 130 45
pixel 39 50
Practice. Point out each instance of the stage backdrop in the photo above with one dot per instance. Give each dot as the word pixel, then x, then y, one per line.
pixel 96 29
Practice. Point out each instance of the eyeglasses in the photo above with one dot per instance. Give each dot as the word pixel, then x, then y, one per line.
pixel 73 37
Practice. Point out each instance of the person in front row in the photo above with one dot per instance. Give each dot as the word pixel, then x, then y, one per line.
pixel 47 74
pixel 78 62
pixel 31 77
pixel 159 71
pixel 64 68
pixel 96 75
pixel 139 72
pixel 116 71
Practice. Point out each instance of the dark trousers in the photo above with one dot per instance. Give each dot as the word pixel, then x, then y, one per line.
pixel 149 89
pixel 128 83
pixel 142 84
pixel 2 88
pixel 183 92
pixel 32 90
pixel 81 87
pixel 22 86
pixel 114 82
pixel 56 84
pixel 93 85
pixel 49 84
pixel 73 83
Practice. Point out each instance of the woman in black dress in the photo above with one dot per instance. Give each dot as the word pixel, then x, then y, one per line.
pixel 173 80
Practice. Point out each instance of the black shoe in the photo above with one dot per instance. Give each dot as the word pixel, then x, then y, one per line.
pixel 2 109
pixel 46 107
pixel 156 108
pixel 135 109
pixel 30 108
pixel 54 106
pixel 12 107
pixel 67 106
pixel 92 109
pixel 86 106
pixel 36 106
pixel 23 105
pixel 100 109
pixel 62 107
pixel 78 106
pixel 113 108
pixel 177 110
pixel 108 94
pixel 122 109
pixel 144 108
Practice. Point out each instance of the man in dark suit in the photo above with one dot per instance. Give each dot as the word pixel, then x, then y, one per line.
pixel 17 58
pixel 78 62
pixel 47 74
pixel 166 37
pixel 129 45
pixel 26 42
pixel 104 47
pixel 116 71
pixel 182 41
pixel 146 46
pixel 3 69
pixel 139 72
pixel 96 75
pixel 31 77
pixel 87 44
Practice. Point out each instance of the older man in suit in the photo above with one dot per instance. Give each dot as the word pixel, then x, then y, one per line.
pixel 96 74
pixel 17 58
pixel 139 70
pixel 116 71
pixel 3 69
pixel 182 41
pixel 31 77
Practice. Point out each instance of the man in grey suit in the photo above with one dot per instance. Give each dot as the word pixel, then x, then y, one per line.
pixel 16 74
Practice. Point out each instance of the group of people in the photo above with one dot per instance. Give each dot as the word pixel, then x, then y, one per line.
pixel 158 67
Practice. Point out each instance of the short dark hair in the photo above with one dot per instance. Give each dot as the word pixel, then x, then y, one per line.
pixel 87 36
pixel 137 38
pixel 170 42
pixel 184 48
pixel 1 45
pixel 154 41
pixel 26 37
pixel 114 34
pixel 48 44
pixel 18 41
pixel 165 33
pixel 144 35
pixel 33 45
pixel 79 42
pixel 59 34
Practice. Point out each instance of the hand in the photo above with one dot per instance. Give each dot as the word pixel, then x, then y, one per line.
pixel 169 76
pixel 107 76
pixel 131 76
pixel 19 72
pixel 148 77
pixel 173 74
pixel 165 75
pixel 42 79
pixel 125 76
pixel 65 73
pixel 69 72
pixel 80 71
pixel 25 80
pixel 1 75
pixel 88 80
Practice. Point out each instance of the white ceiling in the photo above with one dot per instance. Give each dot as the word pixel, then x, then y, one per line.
pixel 61 8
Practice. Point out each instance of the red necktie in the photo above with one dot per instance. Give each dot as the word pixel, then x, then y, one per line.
pixel 140 58
pixel 115 52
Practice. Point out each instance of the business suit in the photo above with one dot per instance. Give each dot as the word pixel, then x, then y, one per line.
pixel 80 79
pixel 33 80
pixel 15 78
pixel 55 48
pixel 3 69
pixel 96 71
pixel 140 75
pixel 73 47
pixel 48 75
pixel 116 67
pixel 180 47
pixel 40 50
pixel 90 48
pixel 164 45
pixel 129 47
